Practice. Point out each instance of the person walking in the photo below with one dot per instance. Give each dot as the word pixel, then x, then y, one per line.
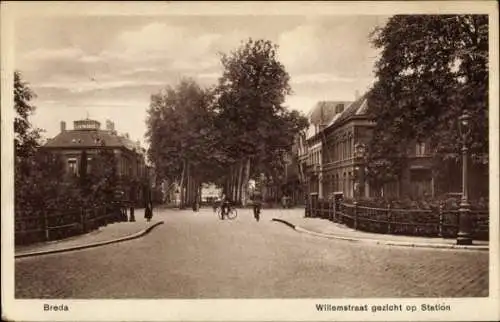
pixel 257 205
pixel 148 212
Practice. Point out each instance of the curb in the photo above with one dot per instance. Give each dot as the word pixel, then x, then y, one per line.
pixel 383 242
pixel 79 247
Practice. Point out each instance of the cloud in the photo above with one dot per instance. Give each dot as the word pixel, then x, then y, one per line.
pixel 160 41
pixel 300 48
pixel 321 78
pixel 111 65
pixel 42 54
pixel 77 86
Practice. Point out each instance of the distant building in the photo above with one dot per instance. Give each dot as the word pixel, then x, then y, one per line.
pixel 87 135
pixel 210 192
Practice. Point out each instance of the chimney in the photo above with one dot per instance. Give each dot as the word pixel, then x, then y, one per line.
pixel 63 126
pixel 110 126
pixel 127 136
pixel 356 95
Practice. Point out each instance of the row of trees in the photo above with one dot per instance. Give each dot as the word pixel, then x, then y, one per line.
pixel 229 133
pixel 431 69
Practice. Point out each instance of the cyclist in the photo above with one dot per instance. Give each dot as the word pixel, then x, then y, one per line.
pixel 225 205
pixel 257 205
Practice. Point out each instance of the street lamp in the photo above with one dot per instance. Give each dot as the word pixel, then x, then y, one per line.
pixel 464 223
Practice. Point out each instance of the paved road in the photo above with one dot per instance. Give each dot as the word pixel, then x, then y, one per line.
pixel 194 255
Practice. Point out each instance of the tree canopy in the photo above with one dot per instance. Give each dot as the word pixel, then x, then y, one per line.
pixel 431 69
pixel 218 132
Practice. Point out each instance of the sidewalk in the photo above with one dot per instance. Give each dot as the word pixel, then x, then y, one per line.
pixel 108 234
pixel 328 229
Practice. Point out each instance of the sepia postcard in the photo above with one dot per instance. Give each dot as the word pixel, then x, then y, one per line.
pixel 250 161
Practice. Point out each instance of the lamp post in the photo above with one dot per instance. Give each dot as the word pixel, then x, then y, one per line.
pixel 464 222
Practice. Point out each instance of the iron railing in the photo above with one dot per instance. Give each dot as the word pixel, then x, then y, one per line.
pixel 53 224
pixel 437 222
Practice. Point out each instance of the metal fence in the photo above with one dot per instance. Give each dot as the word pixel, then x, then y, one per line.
pixel 46 225
pixel 439 222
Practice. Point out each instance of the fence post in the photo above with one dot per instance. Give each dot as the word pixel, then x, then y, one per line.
pixel 334 210
pixel 389 219
pixel 355 215
pixel 46 225
pixel 330 210
pixel 95 220
pixel 83 220
pixel 441 219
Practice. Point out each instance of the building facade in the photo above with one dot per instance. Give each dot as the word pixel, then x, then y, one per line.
pixel 88 136
pixel 332 156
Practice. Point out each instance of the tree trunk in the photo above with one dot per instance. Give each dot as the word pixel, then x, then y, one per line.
pixel 244 185
pixel 181 186
pixel 188 185
pixel 240 181
pixel 264 189
pixel 228 184
pixel 234 183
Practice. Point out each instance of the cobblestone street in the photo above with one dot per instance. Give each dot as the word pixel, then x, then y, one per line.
pixel 195 255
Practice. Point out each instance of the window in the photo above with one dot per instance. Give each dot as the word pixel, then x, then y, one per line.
pixel 420 150
pixel 72 167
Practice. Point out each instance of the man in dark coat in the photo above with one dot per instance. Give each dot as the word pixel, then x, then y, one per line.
pixel 148 212
pixel 257 204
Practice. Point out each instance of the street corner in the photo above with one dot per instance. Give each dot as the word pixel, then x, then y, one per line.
pixel 84 243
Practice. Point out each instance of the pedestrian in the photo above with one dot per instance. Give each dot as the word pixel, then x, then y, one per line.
pixel 148 212
pixel 257 205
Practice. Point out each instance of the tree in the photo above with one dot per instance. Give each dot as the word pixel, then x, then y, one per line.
pixel 103 179
pixel 83 178
pixel 431 68
pixel 228 133
pixel 26 143
pixel 26 137
pixel 181 135
pixel 258 129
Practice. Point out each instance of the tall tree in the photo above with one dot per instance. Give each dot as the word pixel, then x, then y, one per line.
pixel 431 69
pixel 39 175
pixel 181 134
pixel 249 107
pixel 26 137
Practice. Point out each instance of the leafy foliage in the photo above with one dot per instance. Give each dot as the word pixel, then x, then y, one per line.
pixel 103 178
pixel 431 69
pixel 215 129
pixel 250 98
pixel 26 138
pixel 180 128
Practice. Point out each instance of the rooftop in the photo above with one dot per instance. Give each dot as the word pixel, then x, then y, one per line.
pixel 87 133
pixel 325 114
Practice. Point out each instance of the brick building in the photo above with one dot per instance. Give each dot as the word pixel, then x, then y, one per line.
pixel 331 156
pixel 87 135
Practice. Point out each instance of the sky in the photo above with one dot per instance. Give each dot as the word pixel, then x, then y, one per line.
pixel 107 67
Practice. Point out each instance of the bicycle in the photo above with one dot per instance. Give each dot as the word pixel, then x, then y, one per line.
pixel 232 213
